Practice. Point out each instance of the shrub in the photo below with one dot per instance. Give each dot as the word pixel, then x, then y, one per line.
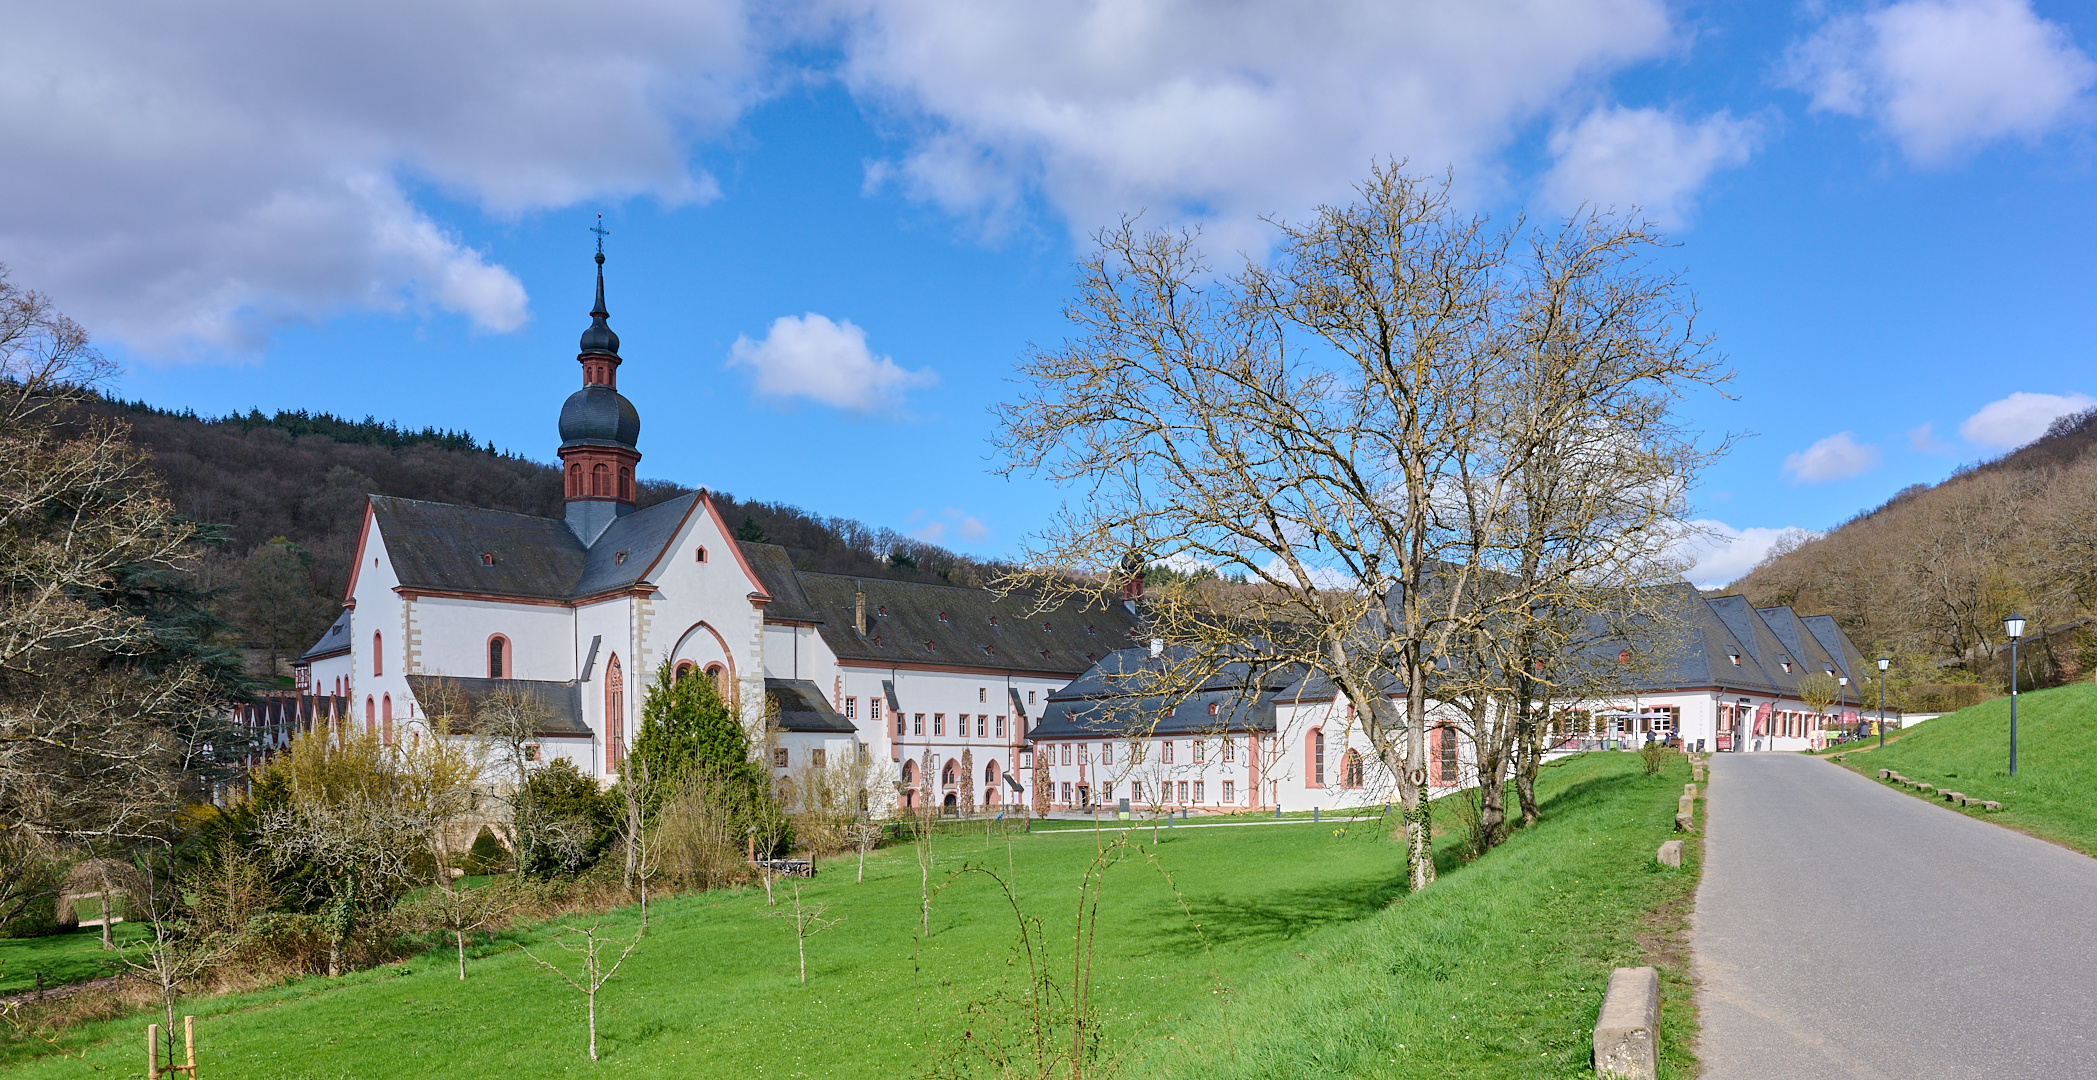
pixel 1657 755
pixel 1941 697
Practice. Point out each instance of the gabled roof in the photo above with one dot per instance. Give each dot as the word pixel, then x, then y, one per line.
pixel 446 548
pixel 800 706
pixel 1805 649
pixel 775 572
pixel 559 704
pixel 334 642
pixel 1762 645
pixel 915 622
pixel 1108 701
pixel 1848 659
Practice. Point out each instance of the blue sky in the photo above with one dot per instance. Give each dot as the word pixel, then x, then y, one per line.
pixel 835 226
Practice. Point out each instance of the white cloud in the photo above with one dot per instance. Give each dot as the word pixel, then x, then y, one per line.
pixel 1837 457
pixel 2020 418
pixel 1215 113
pixel 206 172
pixel 1649 158
pixel 811 357
pixel 1721 554
pixel 1943 76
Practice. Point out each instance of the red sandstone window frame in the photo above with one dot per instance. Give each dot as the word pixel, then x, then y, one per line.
pixel 502 657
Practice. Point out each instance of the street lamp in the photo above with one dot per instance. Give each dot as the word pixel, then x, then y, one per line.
pixel 1884 663
pixel 2014 627
pixel 1842 699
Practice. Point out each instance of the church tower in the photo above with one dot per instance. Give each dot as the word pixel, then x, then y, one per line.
pixel 599 428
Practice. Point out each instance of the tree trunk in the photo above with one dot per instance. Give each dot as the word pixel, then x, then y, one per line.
pixel 461 935
pixel 1419 817
pixel 106 943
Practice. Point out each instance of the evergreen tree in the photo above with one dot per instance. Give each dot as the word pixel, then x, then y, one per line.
pixel 751 532
pixel 688 729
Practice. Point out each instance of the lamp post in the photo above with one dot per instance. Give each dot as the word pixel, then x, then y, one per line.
pixel 2013 626
pixel 1841 699
pixel 1884 663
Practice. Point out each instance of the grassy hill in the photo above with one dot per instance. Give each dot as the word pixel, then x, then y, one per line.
pixel 1308 960
pixel 2054 793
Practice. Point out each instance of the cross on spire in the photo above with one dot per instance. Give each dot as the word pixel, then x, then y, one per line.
pixel 601 234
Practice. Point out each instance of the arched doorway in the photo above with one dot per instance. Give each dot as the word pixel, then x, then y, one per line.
pixel 953 802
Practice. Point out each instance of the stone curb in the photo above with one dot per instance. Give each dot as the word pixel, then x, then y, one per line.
pixel 1957 798
pixel 1670 854
pixel 1627 1031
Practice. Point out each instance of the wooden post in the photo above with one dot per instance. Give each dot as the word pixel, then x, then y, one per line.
pixel 189 1045
pixel 152 1052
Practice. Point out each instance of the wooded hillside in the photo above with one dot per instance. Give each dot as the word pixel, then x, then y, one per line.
pixel 301 478
pixel 1930 574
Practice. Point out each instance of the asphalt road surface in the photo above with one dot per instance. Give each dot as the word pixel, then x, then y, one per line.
pixel 1844 929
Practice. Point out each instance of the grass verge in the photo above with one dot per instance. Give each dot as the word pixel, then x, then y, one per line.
pixel 1308 960
pixel 2053 795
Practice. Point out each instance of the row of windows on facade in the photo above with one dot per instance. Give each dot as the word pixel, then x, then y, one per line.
pixel 1082 754
pixel 1194 792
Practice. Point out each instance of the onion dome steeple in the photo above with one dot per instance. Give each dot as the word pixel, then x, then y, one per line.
pixel 599 428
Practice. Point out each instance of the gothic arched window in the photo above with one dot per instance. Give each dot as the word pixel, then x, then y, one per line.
pixel 498 657
pixel 1351 769
pixel 378 652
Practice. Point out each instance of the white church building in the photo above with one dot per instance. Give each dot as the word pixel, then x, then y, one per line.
pixel 578 613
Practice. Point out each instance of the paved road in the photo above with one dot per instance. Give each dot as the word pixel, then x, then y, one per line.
pixel 1846 930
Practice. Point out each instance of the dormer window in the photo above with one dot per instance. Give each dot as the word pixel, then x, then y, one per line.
pixel 1212 708
pixel 877 641
pixel 1088 632
pixel 881 612
pixel 988 651
pixel 487 558
pixel 931 646
pixel 993 620
pixel 942 616
pixel 618 558
pixel 1044 628
pixel 1735 657
pixel 1787 667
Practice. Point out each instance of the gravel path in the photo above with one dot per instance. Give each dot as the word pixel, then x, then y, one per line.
pixel 1844 929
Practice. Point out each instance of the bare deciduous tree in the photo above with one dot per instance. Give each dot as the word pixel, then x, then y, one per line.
pixel 591 971
pixel 808 920
pixel 1332 428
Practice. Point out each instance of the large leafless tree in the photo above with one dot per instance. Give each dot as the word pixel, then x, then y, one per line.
pixel 1349 427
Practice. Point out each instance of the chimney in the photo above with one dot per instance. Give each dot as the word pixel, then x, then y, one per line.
pixel 1157 646
pixel 859 611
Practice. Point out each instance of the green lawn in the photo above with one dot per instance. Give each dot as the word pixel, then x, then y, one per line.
pixel 2054 793
pixel 62 958
pixel 1308 960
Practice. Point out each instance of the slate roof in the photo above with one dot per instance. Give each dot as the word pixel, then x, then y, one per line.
pixel 802 707
pixel 334 642
pixel 1805 648
pixel 1849 660
pixel 560 703
pixel 775 570
pixel 439 546
pixel 916 622
pixel 1107 700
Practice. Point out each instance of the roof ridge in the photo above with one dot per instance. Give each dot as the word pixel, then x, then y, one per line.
pixel 466 506
pixel 893 581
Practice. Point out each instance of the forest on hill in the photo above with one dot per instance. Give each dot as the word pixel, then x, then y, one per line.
pixel 1929 575
pixel 286 491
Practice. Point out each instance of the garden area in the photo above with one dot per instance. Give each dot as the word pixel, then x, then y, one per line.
pixel 1252 949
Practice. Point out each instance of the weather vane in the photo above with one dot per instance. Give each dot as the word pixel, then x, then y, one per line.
pixel 601 234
